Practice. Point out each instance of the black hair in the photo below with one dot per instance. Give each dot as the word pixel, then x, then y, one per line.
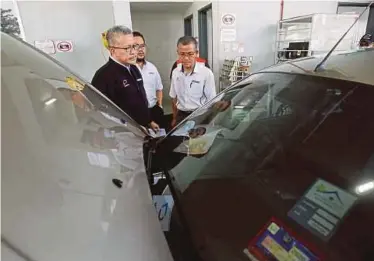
pixel 185 40
pixel 138 34
pixel 366 40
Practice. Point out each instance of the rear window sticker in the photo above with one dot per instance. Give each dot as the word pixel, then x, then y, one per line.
pixel 322 208
pixel 74 84
pixel 164 206
pixel 183 131
pixel 200 140
pixel 277 243
pixel 273 228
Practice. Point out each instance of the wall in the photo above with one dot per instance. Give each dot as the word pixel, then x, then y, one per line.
pixel 294 8
pixel 79 21
pixel 193 10
pixel 161 31
pixel 256 30
pixel 121 12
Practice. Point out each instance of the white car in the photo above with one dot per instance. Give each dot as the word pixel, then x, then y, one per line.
pixel 74 186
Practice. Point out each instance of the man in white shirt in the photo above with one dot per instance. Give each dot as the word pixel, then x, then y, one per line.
pixel 192 84
pixel 151 80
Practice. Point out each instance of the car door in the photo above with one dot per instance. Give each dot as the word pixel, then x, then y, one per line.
pixel 73 180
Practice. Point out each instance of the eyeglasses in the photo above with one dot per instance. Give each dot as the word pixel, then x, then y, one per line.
pixel 142 46
pixel 189 55
pixel 127 49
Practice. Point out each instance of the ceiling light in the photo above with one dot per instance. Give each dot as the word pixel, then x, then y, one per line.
pixel 365 187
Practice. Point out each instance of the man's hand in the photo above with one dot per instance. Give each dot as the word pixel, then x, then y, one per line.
pixel 154 126
pixel 173 123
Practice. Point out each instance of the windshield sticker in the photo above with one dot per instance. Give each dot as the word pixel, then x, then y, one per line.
pixel 322 208
pixel 164 206
pixel 183 130
pixel 198 141
pixel 275 242
pixel 74 84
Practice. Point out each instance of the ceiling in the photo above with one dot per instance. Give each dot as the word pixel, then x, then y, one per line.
pixel 159 7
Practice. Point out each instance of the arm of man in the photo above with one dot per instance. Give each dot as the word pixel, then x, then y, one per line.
pixel 159 88
pixel 172 69
pixel 173 96
pixel 98 81
pixel 210 86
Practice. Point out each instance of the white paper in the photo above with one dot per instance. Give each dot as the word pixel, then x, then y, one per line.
pixel 228 35
pixel 46 46
pixel 164 205
pixel 235 47
pixel 116 120
pixel 98 159
pixel 159 133
pixel 65 46
pixel 241 48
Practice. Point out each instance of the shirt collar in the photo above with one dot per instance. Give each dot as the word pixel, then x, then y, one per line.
pixel 144 65
pixel 127 66
pixel 194 70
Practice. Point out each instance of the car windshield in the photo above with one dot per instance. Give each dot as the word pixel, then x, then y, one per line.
pixel 281 153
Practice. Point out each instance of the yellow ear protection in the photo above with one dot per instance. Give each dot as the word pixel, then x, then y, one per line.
pixel 104 40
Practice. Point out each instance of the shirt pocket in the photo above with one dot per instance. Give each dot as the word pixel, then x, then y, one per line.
pixel 196 90
pixel 150 81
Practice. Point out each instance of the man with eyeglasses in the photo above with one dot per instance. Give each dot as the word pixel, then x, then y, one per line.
pixel 192 83
pixel 151 80
pixel 120 79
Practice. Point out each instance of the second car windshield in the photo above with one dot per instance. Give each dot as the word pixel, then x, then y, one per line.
pixel 264 144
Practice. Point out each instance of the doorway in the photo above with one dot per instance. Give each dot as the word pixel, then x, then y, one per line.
pixel 206 34
pixel 188 25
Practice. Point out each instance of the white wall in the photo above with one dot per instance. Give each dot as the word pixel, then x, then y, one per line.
pixel 161 31
pixel 294 8
pixel 122 14
pixel 79 21
pixel 256 30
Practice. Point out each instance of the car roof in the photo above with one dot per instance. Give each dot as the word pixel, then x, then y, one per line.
pixel 357 66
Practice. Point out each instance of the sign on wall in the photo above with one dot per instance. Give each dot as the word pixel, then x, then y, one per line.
pixel 228 20
pixel 228 35
pixel 46 46
pixel 64 46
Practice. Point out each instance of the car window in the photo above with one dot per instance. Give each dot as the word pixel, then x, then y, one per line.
pixel 285 156
pixel 50 85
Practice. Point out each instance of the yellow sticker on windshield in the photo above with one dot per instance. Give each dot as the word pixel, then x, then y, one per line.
pixel 74 84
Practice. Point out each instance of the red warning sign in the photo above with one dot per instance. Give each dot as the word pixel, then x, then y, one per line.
pixel 64 46
pixel 277 242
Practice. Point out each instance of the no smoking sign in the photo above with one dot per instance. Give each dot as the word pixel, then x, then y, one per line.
pixel 64 46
